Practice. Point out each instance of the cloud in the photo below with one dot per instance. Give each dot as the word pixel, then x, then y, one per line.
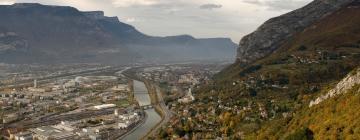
pixel 129 20
pixel 232 18
pixel 210 6
pixel 7 2
pixel 129 3
pixel 134 20
pixel 278 5
pixel 173 10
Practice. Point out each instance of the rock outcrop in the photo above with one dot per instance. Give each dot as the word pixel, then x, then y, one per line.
pixel 270 36
pixel 342 87
pixel 99 15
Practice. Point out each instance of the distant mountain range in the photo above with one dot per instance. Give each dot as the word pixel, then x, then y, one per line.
pixel 35 33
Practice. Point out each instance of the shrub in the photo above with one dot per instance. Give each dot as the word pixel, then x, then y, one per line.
pixel 301 134
pixel 302 48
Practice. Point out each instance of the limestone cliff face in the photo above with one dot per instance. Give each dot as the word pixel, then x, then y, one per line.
pixel 99 15
pixel 269 36
pixel 342 87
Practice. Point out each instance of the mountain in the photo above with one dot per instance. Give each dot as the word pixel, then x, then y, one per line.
pixel 268 90
pixel 269 36
pixel 35 33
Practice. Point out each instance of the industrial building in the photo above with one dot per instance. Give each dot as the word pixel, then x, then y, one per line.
pixel 52 133
pixel 104 106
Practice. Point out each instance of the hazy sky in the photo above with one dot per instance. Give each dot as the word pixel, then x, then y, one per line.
pixel 200 18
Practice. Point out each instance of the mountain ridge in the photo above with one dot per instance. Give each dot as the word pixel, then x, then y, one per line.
pixel 90 36
pixel 274 91
pixel 272 34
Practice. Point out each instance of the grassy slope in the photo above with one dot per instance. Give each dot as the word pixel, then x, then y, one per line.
pixel 335 118
pixel 337 37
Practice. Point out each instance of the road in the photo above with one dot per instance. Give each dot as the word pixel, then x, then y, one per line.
pixel 57 118
pixel 68 75
pixel 167 113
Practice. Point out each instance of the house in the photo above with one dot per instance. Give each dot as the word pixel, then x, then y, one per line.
pixel 10 118
pixel 23 136
pixel 128 116
pixel 187 98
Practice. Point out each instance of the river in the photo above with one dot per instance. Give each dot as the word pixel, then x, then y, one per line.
pixel 153 118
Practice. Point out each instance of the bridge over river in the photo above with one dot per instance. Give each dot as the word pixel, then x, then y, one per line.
pixel 153 118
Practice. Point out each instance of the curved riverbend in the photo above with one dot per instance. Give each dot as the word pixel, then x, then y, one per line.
pixel 153 118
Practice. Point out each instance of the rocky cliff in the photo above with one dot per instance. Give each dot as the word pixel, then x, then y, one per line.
pixel 342 87
pixel 100 15
pixel 270 36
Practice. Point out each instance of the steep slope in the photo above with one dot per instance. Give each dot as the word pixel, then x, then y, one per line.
pixel 334 118
pixel 343 86
pixel 331 40
pixel 58 34
pixel 123 32
pixel 270 36
pixel 166 49
pixel 52 33
pixel 267 93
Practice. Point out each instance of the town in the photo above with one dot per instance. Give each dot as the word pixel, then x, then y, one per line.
pixel 87 102
pixel 91 101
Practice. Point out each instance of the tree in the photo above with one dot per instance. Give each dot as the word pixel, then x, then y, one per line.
pixel 302 48
pixel 301 134
pixel 1 113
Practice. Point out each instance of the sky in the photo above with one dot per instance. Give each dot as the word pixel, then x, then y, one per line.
pixel 199 18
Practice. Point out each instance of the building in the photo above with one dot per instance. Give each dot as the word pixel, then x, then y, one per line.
pixel 52 133
pixel 124 124
pixel 187 98
pixel 10 118
pixel 129 116
pixel 64 125
pixel 23 136
pixel 116 112
pixel 188 79
pixel 104 106
pixel 32 89
pixel 121 87
pixel 35 83
pixel 95 137
pixel 70 84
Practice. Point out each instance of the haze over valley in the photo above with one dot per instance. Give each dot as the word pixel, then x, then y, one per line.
pixel 35 33
pixel 70 74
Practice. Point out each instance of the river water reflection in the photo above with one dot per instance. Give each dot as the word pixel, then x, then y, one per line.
pixel 142 96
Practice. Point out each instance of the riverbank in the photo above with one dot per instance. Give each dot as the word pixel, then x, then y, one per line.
pixel 141 122
pixel 161 108
pixel 141 94
pixel 156 101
